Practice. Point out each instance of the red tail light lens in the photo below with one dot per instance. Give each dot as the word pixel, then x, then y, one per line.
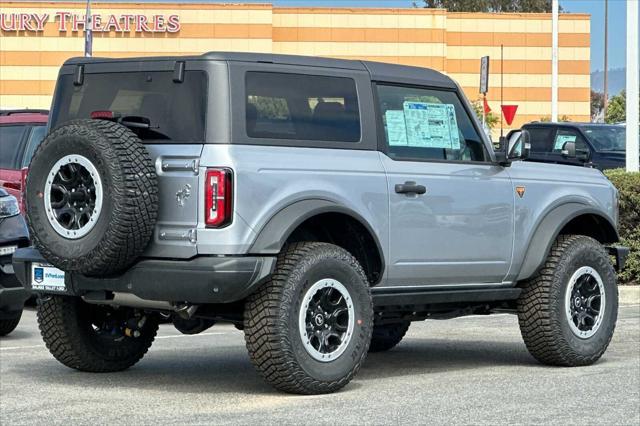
pixel 218 193
pixel 104 115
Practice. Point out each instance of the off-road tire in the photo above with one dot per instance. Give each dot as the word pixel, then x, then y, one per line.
pixel 387 336
pixel 8 325
pixel 271 320
pixel 541 306
pixel 130 197
pixel 67 331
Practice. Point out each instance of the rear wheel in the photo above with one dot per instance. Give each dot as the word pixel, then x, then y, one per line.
pixel 308 329
pixel 387 336
pixel 8 325
pixel 568 312
pixel 94 338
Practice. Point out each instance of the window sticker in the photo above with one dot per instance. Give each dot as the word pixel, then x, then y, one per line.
pixel 430 125
pixel 561 140
pixel 396 128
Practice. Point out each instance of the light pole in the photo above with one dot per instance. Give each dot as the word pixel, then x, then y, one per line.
pixel 606 58
pixel 88 31
pixel 632 86
pixel 554 61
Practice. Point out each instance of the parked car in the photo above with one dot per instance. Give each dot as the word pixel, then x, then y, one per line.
pixel 20 133
pixel 578 144
pixel 13 234
pixel 321 205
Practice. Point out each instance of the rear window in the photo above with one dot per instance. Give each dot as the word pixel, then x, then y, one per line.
pixel 36 136
pixel 10 140
pixel 176 110
pixel 301 107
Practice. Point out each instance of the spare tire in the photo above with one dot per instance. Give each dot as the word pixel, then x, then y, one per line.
pixel 92 197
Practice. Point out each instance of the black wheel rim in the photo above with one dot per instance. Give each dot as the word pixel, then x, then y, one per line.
pixel 73 196
pixel 585 302
pixel 326 320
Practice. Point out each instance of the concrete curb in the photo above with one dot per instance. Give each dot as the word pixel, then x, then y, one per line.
pixel 629 294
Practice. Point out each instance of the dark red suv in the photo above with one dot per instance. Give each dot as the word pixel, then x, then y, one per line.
pixel 20 133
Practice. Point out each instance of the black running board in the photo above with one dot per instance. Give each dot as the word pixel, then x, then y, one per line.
pixel 391 296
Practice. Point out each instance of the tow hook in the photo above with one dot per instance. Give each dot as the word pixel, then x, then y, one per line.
pixel 133 326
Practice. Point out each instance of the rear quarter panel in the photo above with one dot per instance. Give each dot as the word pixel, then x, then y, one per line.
pixel 269 178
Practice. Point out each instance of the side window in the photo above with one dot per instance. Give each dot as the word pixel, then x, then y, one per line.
pixel 541 138
pixel 302 107
pixel 36 136
pixel 10 141
pixel 427 124
pixel 567 135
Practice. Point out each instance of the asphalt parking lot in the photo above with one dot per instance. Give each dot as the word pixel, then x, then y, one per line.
pixel 472 370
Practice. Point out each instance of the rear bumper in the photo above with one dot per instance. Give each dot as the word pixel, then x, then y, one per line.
pixel 620 254
pixel 12 295
pixel 203 279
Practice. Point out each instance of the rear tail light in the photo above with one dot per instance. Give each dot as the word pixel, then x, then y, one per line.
pixel 103 115
pixel 218 193
pixel 23 188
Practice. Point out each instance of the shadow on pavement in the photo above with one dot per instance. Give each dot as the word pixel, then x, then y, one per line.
pixel 227 369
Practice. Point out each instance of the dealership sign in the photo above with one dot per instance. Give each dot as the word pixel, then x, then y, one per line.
pixel 67 21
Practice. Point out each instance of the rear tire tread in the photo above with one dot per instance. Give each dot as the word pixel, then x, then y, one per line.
pixel 270 351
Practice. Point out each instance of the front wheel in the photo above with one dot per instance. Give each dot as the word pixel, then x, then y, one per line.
pixel 94 338
pixel 308 329
pixel 567 313
pixel 387 336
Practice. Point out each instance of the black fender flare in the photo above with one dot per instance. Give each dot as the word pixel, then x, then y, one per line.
pixel 281 225
pixel 548 230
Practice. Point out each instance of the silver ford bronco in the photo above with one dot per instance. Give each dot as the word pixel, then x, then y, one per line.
pixel 320 205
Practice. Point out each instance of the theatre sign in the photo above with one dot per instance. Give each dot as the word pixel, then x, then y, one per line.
pixel 67 21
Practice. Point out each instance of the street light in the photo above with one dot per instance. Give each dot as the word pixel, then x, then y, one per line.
pixel 554 61
pixel 632 86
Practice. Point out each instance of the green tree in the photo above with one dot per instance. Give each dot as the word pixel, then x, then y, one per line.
pixel 491 118
pixel 561 119
pixel 617 108
pixel 597 103
pixel 495 6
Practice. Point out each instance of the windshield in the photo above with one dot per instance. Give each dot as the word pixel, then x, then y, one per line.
pixel 176 111
pixel 606 138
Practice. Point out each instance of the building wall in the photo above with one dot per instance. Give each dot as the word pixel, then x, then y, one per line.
pixel 449 42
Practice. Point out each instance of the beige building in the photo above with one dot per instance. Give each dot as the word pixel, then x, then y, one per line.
pixel 36 38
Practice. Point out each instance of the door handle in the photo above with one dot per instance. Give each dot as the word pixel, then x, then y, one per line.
pixel 410 188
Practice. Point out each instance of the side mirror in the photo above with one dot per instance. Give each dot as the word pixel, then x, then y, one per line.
pixel 521 147
pixel 569 150
pixel 515 146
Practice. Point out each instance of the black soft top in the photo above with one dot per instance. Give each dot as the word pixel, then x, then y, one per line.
pixel 379 71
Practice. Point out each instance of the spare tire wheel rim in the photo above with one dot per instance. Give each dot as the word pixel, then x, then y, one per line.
pixel 585 302
pixel 326 320
pixel 73 196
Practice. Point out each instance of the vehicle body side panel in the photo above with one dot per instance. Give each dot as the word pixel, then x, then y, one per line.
pixel 546 188
pixel 271 179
